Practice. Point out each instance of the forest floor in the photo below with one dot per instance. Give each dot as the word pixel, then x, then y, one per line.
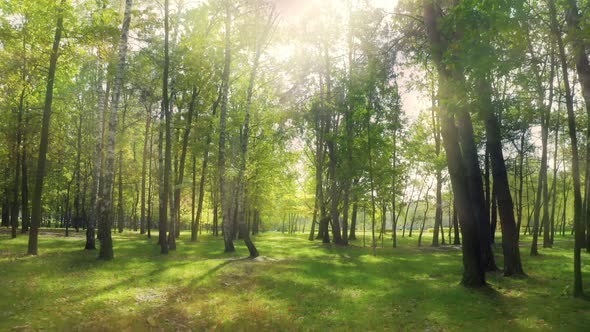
pixel 295 285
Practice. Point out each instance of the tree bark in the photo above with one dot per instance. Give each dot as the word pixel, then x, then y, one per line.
pixel 473 271
pixel 353 217
pixel 144 162
pixel 580 48
pixel 519 207
pixel 225 202
pixel 37 205
pixel 166 192
pixel 241 196
pixel 105 219
pixel 25 188
pixel 571 17
pixel 17 170
pixel 554 181
pixel 436 133
pixel 409 203
pixel 510 248
pixel 182 160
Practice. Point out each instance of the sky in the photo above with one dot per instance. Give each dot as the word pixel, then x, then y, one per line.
pixel 412 101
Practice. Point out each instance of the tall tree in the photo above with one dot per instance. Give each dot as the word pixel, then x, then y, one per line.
pixel 473 269
pixel 166 168
pixel 225 211
pixel 105 201
pixel 578 222
pixel 37 205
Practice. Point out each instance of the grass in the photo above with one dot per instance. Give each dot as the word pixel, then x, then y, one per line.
pixel 296 285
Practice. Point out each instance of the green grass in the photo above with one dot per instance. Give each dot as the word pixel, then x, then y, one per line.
pixel 296 285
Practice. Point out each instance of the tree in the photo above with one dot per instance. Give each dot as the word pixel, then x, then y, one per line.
pixel 473 274
pixel 43 145
pixel 105 203
pixel 578 225
pixel 225 211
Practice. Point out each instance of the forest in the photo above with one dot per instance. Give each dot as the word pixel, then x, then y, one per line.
pixel 247 165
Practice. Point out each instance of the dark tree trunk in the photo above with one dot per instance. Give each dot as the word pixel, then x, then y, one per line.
pixel 473 271
pixel 37 205
pixel 572 19
pixel 519 207
pixel 501 191
pixel 474 178
pixel 494 220
pixel 580 47
pixel 182 161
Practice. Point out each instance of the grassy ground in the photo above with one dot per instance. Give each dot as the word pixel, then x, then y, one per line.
pixel 296 285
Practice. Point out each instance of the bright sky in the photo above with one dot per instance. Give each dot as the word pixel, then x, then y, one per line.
pixel 294 7
pixel 412 101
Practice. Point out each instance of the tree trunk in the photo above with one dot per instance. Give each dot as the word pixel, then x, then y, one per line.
pixel 105 220
pixel 572 18
pixel 424 216
pixel 393 191
pixel 25 189
pixel 501 191
pixel 519 207
pixel 225 202
pixel 408 210
pixel 166 193
pixel 436 133
pixel 373 207
pixel 144 162
pixel 473 272
pixel 494 220
pixel 475 182
pixel 580 46
pixel 457 237
pixel 541 186
pixel 120 207
pixel 37 205
pixel 182 161
pixel 353 217
pixel 77 175
pixel 17 170
pixel 241 196
pixel 150 183
pixel 554 181
pixel 332 129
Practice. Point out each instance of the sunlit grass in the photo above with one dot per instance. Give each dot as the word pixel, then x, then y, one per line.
pixel 296 285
